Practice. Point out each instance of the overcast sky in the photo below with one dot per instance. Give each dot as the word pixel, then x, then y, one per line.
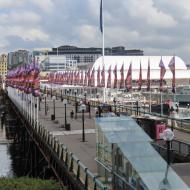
pixel 159 27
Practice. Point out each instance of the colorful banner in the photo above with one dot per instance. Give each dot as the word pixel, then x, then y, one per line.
pixel 172 69
pixel 128 80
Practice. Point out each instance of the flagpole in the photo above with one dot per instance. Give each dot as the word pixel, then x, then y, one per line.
pixel 103 53
pixel 161 103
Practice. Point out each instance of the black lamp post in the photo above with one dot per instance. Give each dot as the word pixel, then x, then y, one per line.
pixel 40 101
pixel 53 116
pixel 114 101
pixel 45 96
pixel 65 104
pixel 75 91
pixel 61 95
pixel 83 109
pixel 85 96
pixel 68 94
pixel 137 104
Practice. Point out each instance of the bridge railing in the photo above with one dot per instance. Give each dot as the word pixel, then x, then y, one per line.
pixel 74 165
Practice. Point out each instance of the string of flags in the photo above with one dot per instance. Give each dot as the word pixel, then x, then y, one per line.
pixel 26 78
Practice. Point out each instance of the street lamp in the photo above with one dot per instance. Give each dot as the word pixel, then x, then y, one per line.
pixel 168 136
pixel 67 126
pixel 41 94
pixel 61 95
pixel 53 116
pixel 85 96
pixel 75 91
pixel 83 109
pixel 45 96
pixel 114 101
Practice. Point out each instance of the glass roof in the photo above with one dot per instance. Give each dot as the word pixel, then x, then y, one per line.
pixel 135 145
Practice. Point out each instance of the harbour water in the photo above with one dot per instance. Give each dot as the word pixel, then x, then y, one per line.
pixel 5 156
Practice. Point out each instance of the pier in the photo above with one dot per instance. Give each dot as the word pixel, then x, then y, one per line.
pixel 71 157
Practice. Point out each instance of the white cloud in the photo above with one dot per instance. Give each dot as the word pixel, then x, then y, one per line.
pixel 21 17
pixel 29 34
pixel 149 14
pixel 45 5
pixel 11 3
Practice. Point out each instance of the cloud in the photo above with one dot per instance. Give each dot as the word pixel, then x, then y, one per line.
pixel 45 5
pixel 149 14
pixel 22 17
pixel 155 26
pixel 11 3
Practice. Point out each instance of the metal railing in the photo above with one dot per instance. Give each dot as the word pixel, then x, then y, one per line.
pixel 74 165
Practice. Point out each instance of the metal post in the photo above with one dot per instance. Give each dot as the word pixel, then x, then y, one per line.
pixel 45 107
pixel 83 132
pixel 65 115
pixel 61 95
pixel 54 107
pixel 75 105
pixel 114 101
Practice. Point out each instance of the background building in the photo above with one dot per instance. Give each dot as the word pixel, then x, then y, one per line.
pixel 3 65
pixel 87 56
pixel 58 63
pixel 18 57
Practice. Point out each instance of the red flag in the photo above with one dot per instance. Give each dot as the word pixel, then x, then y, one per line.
pixel 128 80
pixel 92 78
pixel 162 73
pixel 148 76
pixel 85 79
pixel 172 68
pixel 115 77
pixel 103 77
pixel 98 77
pixel 88 77
pixel 140 78
pixel 81 78
pixel 109 78
pixel 122 76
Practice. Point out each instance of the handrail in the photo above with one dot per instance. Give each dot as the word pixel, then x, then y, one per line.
pixel 68 157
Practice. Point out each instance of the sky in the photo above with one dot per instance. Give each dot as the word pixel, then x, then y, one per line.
pixel 157 27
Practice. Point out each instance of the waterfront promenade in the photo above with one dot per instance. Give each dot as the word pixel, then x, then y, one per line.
pixel 86 151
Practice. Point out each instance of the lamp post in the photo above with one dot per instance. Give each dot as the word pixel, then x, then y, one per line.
pixel 45 96
pixel 65 104
pixel 67 94
pixel 62 95
pixel 75 91
pixel 85 96
pixel 39 107
pixel 53 116
pixel 83 109
pixel 114 101
pixel 168 136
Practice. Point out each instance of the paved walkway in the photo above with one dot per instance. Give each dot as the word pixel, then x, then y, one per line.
pixel 85 151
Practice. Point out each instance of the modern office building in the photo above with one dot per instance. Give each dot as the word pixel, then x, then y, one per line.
pixel 3 65
pixel 18 57
pixel 87 56
pixel 58 63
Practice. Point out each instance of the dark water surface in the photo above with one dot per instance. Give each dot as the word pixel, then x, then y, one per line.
pixel 5 157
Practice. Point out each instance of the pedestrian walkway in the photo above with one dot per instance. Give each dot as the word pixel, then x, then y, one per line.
pixel 85 151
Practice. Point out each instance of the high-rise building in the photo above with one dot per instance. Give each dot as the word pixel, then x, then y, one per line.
pixel 18 57
pixel 3 65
